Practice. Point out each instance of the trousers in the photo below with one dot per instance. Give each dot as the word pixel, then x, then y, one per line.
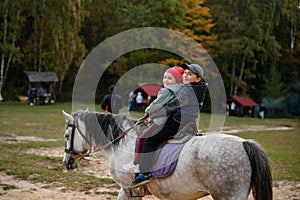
pixel 140 141
pixel 153 141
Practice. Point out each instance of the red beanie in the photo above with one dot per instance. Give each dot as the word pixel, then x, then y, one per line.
pixel 177 72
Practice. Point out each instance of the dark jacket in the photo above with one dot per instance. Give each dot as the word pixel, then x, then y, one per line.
pixel 187 104
pixel 190 100
pixel 111 103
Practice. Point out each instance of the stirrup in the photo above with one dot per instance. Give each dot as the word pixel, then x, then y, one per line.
pixel 141 193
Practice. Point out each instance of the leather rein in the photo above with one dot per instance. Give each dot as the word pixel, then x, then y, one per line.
pixel 78 156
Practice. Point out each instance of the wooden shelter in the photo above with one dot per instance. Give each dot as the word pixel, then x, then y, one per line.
pixel 45 79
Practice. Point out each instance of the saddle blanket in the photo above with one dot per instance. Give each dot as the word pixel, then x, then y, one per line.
pixel 166 161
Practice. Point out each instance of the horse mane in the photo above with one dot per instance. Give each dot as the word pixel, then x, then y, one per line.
pixel 102 128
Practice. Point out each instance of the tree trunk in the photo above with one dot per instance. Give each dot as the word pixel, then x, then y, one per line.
pixel 35 63
pixel 3 52
pixel 293 23
pixel 41 37
pixel 10 54
pixel 241 72
pixel 232 76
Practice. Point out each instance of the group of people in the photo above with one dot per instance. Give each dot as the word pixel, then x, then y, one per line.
pixel 112 102
pixel 178 103
pixel 37 95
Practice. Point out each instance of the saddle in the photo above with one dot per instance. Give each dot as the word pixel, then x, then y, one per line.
pixel 167 156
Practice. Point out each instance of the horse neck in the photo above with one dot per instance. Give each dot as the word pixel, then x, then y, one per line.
pixel 103 128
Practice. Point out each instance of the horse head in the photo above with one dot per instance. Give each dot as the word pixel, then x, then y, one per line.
pixel 76 144
pixel 87 132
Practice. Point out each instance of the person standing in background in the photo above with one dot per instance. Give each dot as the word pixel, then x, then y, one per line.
pixel 41 93
pixel 32 95
pixel 139 101
pixel 131 101
pixel 111 102
pixel 262 111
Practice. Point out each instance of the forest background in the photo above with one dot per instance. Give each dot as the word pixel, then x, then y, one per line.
pixel 254 43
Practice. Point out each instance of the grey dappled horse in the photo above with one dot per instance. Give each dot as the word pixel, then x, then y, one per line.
pixel 224 166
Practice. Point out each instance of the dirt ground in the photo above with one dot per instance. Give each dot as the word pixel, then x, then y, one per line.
pixel 25 190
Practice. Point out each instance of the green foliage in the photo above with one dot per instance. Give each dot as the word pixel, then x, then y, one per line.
pixel 272 84
pixel 145 13
pixel 282 149
pixel 245 38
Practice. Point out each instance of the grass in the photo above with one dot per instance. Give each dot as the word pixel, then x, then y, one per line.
pixel 47 122
pixel 282 148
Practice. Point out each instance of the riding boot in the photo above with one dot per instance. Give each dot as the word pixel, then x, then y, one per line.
pixel 140 179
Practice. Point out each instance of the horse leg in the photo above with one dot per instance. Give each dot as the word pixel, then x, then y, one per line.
pixel 128 195
pixel 122 195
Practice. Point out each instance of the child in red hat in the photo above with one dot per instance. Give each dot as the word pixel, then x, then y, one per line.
pixel 171 76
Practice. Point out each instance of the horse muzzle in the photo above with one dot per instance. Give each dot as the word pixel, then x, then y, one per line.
pixel 70 163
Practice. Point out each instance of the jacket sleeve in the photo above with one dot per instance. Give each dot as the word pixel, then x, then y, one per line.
pixel 175 103
pixel 163 97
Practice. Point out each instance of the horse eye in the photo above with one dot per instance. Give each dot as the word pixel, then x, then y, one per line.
pixel 67 136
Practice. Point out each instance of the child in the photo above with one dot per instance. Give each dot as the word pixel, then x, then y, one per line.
pixel 171 76
pixel 181 110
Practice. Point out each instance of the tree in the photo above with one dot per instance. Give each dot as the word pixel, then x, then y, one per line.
pixel 244 32
pixel 272 84
pixel 101 20
pixel 288 36
pixel 9 37
pixel 197 25
pixel 57 48
pixel 198 22
pixel 64 47
pixel 292 13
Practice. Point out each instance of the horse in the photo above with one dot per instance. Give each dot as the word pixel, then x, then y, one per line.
pixel 223 166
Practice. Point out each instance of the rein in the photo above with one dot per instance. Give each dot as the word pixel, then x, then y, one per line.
pixel 79 156
pixel 122 134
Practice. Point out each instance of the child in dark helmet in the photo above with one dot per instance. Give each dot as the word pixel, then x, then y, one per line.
pixel 181 110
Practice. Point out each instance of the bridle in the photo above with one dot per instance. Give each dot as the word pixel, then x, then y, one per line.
pixel 75 155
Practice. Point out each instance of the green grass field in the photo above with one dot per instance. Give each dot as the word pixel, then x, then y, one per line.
pixel 16 119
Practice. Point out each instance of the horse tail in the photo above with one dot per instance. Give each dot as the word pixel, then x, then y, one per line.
pixel 261 178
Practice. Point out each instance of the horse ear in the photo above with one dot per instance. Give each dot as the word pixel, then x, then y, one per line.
pixel 86 110
pixel 68 117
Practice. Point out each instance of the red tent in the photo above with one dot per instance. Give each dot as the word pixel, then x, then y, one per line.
pixel 244 101
pixel 241 106
pixel 151 89
pixel 149 92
